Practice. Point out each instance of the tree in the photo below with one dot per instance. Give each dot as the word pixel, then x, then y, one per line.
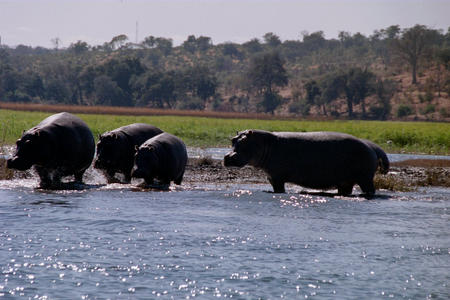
pixel 193 44
pixel 253 46
pixel 202 82
pixel 160 43
pixel 79 47
pixel 313 91
pixel 385 90
pixel 358 85
pixel 108 92
pixel 330 89
pixel 230 49
pixel 190 44
pixel 118 41
pixel 412 46
pixel 272 39
pixel 164 45
pixel 313 41
pixel 267 72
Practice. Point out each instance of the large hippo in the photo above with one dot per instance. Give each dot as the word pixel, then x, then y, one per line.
pixel 116 149
pixel 162 157
pixel 61 145
pixel 318 160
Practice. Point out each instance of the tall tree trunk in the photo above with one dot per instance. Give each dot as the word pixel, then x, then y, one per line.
pixel 363 108
pixel 414 71
pixel 350 108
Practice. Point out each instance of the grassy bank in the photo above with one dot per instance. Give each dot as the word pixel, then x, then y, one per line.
pixel 411 137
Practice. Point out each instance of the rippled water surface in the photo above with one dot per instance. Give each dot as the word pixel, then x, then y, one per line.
pixel 241 242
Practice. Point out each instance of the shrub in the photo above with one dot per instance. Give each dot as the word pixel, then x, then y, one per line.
pixel 404 110
pixel 300 107
pixel 430 108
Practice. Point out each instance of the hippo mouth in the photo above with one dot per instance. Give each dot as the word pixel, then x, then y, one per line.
pixel 233 159
pixel 18 164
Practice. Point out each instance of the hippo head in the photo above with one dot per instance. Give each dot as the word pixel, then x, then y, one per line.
pixel 244 147
pixel 108 154
pixel 145 163
pixel 27 151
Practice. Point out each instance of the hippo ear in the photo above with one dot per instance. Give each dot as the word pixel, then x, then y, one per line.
pixel 250 132
pixel 38 133
pixel 136 148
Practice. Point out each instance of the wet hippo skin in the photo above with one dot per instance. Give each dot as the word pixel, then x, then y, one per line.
pixel 318 160
pixel 116 149
pixel 61 145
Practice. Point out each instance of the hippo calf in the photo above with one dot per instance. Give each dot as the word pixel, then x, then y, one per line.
pixel 116 149
pixel 61 145
pixel 318 160
pixel 162 157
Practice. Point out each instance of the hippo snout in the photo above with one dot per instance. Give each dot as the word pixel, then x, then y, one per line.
pixel 18 164
pixel 232 160
pixel 9 164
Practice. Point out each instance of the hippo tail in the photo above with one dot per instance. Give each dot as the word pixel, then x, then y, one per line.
pixel 383 161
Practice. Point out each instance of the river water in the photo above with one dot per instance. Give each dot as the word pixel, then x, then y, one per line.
pixel 115 241
pixel 225 241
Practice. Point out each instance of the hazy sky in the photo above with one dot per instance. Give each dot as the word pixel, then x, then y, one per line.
pixel 35 22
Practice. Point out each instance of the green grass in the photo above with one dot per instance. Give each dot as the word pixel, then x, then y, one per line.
pixel 410 137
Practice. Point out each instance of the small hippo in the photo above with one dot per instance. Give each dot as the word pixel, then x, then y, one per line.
pixel 61 145
pixel 318 160
pixel 116 149
pixel 162 157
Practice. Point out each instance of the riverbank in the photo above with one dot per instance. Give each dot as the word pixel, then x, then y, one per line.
pixel 403 176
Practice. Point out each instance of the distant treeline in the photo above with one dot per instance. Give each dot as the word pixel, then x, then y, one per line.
pixel 353 76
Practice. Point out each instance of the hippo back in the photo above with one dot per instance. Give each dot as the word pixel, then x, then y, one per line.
pixel 138 133
pixel 172 152
pixel 72 142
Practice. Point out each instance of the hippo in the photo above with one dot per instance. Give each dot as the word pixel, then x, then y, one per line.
pixel 116 149
pixel 318 160
pixel 61 145
pixel 162 157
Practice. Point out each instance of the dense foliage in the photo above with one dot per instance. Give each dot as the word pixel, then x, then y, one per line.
pixel 353 76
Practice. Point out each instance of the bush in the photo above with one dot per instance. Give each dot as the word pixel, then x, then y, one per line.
pixel 404 110
pixel 430 108
pixel 300 107
pixel 193 103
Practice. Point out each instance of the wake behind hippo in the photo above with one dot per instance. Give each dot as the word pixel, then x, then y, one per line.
pixel 162 157
pixel 116 149
pixel 61 145
pixel 318 160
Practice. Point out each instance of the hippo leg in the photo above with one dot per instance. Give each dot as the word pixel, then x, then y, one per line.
pixel 367 187
pixel 127 177
pixel 278 185
pixel 109 174
pixel 79 176
pixel 45 178
pixel 179 179
pixel 345 189
pixel 149 180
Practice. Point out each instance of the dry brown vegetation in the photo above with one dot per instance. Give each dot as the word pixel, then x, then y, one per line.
pixel 131 111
